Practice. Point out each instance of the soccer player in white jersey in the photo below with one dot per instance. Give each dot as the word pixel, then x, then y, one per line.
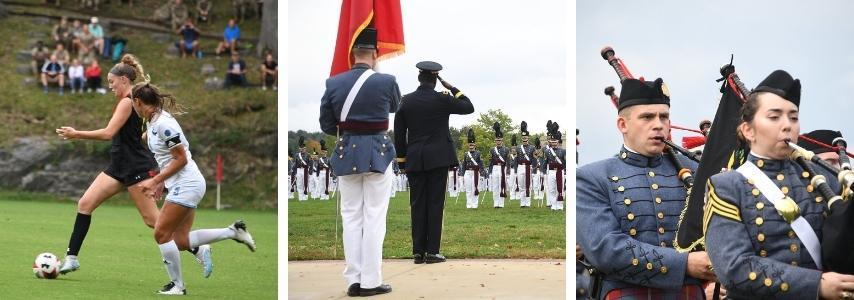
pixel 185 185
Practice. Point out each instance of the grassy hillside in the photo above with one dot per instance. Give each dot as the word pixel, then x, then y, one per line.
pixel 240 124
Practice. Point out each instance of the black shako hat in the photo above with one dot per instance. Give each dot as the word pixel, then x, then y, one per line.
pixel 301 142
pixel 822 135
pixel 429 66
pixel 497 128
pixel 322 145
pixel 471 136
pixel 782 84
pixel 636 92
pixel 523 128
pixel 367 39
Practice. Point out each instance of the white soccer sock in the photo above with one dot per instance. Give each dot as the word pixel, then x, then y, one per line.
pixel 172 260
pixel 206 236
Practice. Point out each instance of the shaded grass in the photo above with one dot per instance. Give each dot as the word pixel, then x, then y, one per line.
pixel 485 232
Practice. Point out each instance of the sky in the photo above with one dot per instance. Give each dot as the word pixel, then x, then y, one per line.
pixel 501 54
pixel 686 42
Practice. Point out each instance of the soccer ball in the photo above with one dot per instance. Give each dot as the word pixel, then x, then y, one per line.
pixel 46 266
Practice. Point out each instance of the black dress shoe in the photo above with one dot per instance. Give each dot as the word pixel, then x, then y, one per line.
pixel 382 289
pixel 353 290
pixel 419 258
pixel 434 258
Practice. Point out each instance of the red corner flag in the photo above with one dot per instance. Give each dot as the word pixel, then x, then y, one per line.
pixel 384 15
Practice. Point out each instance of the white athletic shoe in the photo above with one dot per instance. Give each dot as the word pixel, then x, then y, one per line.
pixel 172 289
pixel 69 265
pixel 203 256
pixel 241 235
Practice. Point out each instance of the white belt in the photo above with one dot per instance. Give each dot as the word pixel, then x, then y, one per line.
pixel 800 225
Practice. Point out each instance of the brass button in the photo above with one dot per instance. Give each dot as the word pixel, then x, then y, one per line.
pixel 354 169
pixel 785 189
pixel 354 145
pixel 615 178
pixel 755 192
pixel 791 234
pixel 341 148
pixel 649 266
pixel 794 263
pixel 793 248
pixel 621 189
pixel 760 205
pixel 623 155
pixel 784 287
pixel 752 276
pixel 760 163
pixel 383 145
pixel 658 200
pixel 340 156
pixel 385 137
pixel 768 282
pixel 780 177
pixel 818 199
pixel 382 153
pixel 663 270
pixel 759 221
pixel 635 261
pixel 651 174
pixel 633 232
pixel 663 244
pixel 760 237
pixel 750 181
pixel 630 216
pixel 805 174
pixel 654 186
pixel 810 188
pixel 660 215
pixel 763 253
pixel 627 201
pixel 661 230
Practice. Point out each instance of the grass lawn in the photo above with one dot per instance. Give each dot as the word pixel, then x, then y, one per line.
pixel 120 258
pixel 485 232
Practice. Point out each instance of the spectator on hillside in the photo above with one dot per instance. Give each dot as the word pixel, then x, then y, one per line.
pixel 98 33
pixel 89 3
pixel 269 70
pixel 203 9
pixel 236 74
pixel 189 38
pixel 179 14
pixel 85 42
pixel 93 77
pixel 61 54
pixel 230 36
pixel 75 76
pixel 76 31
pixel 53 71
pixel 62 32
pixel 40 54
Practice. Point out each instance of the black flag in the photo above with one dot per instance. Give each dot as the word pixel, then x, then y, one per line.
pixel 722 151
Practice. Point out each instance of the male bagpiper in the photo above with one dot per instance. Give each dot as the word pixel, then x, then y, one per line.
pixel 555 158
pixel 525 164
pixel 498 168
pixel 472 165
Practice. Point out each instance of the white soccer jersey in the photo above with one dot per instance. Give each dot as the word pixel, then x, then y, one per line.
pixel 164 133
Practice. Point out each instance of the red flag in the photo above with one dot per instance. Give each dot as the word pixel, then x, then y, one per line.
pixel 384 15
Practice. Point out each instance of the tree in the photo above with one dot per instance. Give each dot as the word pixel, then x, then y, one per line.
pixel 269 29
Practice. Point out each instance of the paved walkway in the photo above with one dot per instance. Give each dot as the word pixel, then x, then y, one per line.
pixel 454 279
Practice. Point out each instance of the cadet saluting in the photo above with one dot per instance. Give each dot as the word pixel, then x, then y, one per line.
pixel 355 108
pixel 425 150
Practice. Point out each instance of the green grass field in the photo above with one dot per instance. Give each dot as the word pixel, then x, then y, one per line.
pixel 486 232
pixel 120 258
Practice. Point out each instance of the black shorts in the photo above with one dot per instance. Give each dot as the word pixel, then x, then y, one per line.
pixel 128 178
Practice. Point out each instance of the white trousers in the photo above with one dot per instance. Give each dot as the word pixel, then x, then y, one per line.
pixel 301 189
pixel 290 194
pixel 551 188
pixel 523 200
pixel 364 205
pixel 536 185
pixel 471 199
pixel 512 185
pixel 453 188
pixel 401 184
pixel 321 185
pixel 495 186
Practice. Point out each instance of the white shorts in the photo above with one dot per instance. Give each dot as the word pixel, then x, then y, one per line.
pixel 187 194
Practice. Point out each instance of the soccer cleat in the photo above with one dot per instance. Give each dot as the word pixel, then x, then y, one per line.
pixel 203 256
pixel 241 235
pixel 172 289
pixel 69 265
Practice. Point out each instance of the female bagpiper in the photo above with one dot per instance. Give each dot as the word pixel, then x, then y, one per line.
pixel 764 219
pixel 184 182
